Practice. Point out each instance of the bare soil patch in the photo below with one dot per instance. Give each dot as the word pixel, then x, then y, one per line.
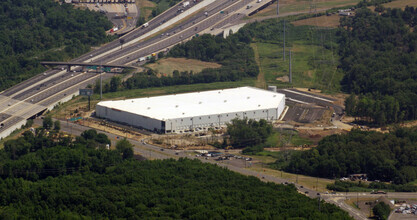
pixel 283 78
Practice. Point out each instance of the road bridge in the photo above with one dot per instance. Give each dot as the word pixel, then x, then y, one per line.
pixel 69 64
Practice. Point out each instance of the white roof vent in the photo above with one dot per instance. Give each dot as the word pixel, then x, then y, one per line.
pixel 259 105
pixel 248 97
pixel 149 108
pixel 183 113
pixel 200 102
pixel 225 100
pixel 176 106
pixel 275 95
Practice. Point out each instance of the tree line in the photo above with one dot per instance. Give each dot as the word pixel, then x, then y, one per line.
pixel 37 30
pixel 385 157
pixel 349 186
pixel 379 57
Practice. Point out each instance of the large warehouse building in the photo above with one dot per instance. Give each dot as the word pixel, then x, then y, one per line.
pixel 194 111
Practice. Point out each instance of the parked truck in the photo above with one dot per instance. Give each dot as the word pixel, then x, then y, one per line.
pixel 145 25
pixel 185 4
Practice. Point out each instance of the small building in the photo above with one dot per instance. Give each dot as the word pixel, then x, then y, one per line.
pixel 354 177
pixel 345 13
pixel 194 111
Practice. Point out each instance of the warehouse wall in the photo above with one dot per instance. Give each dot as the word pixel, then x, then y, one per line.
pixel 207 121
pixel 128 118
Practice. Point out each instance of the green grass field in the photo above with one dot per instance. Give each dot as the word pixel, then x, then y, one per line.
pixel 166 66
pixel 303 6
pixel 286 138
pixel 312 66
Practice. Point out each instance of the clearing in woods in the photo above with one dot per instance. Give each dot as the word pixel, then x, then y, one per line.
pixel 260 82
pixel 168 65
pixel 322 21
pixel 293 6
pixel 313 66
pixel 400 4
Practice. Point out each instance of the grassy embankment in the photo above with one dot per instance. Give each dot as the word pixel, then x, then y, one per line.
pixel 313 66
pixel 167 65
pixel 303 6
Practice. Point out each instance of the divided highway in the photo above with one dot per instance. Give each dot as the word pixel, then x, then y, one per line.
pixel 45 90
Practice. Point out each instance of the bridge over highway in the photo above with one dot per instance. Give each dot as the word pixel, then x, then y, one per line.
pixel 69 64
pixel 44 91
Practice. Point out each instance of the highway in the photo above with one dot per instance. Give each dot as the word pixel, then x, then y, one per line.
pixel 43 91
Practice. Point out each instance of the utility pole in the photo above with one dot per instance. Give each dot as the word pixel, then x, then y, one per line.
pixel 290 68
pixel 277 7
pixel 101 82
pixel 283 50
pixel 319 202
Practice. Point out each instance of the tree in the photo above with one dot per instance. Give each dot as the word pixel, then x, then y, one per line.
pixel 115 83
pixel 57 125
pixel 141 20
pixel 125 148
pixel 248 133
pixel 47 122
pixel 89 134
pixel 381 211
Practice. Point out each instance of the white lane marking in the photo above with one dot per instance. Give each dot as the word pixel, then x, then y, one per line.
pixel 303 94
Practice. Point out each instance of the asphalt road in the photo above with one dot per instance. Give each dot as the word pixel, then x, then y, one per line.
pixel 36 94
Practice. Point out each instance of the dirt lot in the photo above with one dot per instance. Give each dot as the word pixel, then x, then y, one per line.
pixel 191 141
pixel 316 135
pixel 168 65
pixel 322 21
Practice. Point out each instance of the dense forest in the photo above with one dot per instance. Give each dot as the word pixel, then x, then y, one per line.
pixel 385 157
pixel 46 175
pixel 379 57
pixel 36 30
pixel 249 134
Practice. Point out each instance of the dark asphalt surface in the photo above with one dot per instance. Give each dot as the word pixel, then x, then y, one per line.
pixel 310 98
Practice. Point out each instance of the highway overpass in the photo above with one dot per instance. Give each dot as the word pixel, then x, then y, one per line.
pixel 70 64
pixel 173 26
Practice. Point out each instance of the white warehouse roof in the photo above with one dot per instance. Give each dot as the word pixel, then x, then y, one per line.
pixel 199 103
